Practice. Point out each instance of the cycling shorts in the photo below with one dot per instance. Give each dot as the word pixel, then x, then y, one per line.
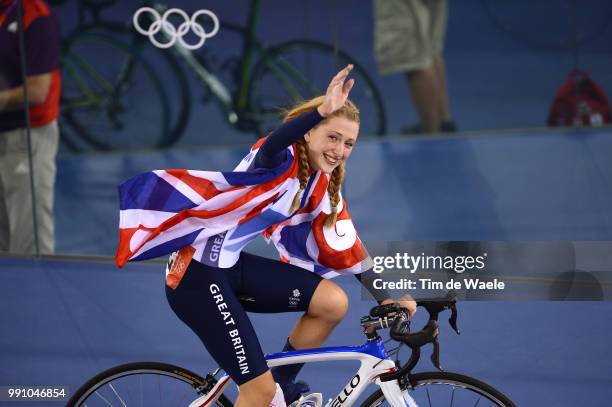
pixel 213 302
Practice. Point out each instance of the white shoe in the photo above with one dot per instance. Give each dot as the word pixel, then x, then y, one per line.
pixel 207 399
pixel 279 398
pixel 312 400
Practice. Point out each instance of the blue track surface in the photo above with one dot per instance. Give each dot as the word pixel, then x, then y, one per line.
pixel 65 320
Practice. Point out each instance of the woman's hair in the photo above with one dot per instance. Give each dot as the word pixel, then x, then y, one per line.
pixel 348 111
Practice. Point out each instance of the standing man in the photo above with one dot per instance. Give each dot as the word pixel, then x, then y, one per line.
pixel 409 37
pixel 42 45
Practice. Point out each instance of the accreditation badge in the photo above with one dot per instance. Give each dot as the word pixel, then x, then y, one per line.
pixel 177 266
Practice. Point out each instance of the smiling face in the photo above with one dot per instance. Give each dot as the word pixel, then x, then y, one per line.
pixel 331 143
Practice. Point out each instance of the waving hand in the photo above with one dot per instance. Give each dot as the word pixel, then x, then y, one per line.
pixel 337 92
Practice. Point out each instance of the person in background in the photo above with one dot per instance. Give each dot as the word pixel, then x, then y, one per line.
pixel 409 37
pixel 42 48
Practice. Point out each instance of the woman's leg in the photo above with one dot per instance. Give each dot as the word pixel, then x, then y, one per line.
pixel 269 286
pixel 257 392
pixel 205 301
pixel 327 308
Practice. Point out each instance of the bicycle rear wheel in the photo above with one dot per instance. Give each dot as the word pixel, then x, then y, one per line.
pixel 301 69
pixel 447 389
pixel 118 93
pixel 142 384
pixel 111 98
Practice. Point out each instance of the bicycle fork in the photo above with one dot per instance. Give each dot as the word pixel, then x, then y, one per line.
pixel 394 394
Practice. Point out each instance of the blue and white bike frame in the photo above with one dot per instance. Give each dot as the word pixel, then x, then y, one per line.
pixel 374 362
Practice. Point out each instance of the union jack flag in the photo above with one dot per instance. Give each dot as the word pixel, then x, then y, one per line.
pixel 219 213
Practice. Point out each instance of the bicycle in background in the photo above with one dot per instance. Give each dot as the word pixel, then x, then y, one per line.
pixel 153 383
pixel 121 92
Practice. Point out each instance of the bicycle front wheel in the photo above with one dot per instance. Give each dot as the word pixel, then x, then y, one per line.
pixel 298 70
pixel 447 389
pixel 142 384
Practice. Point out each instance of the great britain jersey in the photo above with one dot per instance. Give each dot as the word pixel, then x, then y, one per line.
pixel 218 213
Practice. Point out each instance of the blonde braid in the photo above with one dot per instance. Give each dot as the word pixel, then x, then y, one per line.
pixel 304 168
pixel 333 189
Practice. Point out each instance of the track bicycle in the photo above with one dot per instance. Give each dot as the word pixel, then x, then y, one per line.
pixel 121 92
pixel 153 383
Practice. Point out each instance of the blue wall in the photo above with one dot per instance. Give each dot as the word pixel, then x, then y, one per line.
pixel 514 186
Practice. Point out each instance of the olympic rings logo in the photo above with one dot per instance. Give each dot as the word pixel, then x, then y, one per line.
pixel 161 22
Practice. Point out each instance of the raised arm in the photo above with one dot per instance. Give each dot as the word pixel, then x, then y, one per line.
pixel 274 150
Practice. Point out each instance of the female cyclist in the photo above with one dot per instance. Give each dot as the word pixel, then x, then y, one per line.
pixel 287 189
